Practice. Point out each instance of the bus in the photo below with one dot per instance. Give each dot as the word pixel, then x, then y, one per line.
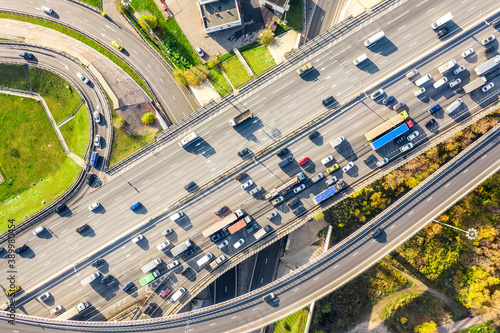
pixel 384 127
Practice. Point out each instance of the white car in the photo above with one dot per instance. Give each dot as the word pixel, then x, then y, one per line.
pixel 163 245
pixel 200 52
pixel 488 40
pixel 273 214
pixel 467 52
pixel 44 297
pixel 419 92
pixel 488 87
pixel 239 243
pixel 246 184
pixel 454 83
pixel 97 117
pixel 56 310
pixel 300 188
pixel 81 77
pixel 412 136
pixel 382 162
pixel 97 140
pixel 47 9
pixel 95 205
pixel 377 94
pixel 348 166
pixel 327 160
pixel 173 264
pixel 137 238
pixel 406 147
pixel 459 70
pixel 38 230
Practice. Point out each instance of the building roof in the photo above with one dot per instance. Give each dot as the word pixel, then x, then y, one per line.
pixel 219 12
pixel 280 3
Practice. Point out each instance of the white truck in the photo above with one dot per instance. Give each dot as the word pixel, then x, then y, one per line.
pixel 447 66
pixel 73 311
pixel 151 265
pixel 259 234
pixel 190 138
pixel 175 297
pixel 203 260
pixel 488 65
pixel 240 118
pixel 442 21
pixel 471 86
pixel 181 247
pixel 217 261
pixel 90 278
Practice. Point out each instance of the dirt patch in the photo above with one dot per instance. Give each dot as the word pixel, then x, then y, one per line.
pixel 132 114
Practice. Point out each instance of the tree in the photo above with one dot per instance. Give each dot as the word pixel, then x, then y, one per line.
pixel 148 118
pixel 267 37
pixel 429 327
pixel 180 78
pixel 213 63
pixel 119 123
pixel 150 19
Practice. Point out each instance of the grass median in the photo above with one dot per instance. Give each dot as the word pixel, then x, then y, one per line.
pixel 14 77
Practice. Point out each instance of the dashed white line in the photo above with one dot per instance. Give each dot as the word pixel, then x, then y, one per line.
pixel 392 226
pixel 465 170
pixel 255 309
pixel 48 262
pixel 291 105
pixel 317 277
pixel 397 18
pixel 147 181
pixel 407 36
pixel 402 27
pixel 68 12
pixel 156 198
pixel 429 199
pixel 149 65
pixel 355 254
pixel 483 157
pixel 410 213
pixel 296 289
pixel 412 44
pixel 118 198
pixel 471 8
pixel 447 185
pixel 234 317
pixel 430 10
pixel 422 3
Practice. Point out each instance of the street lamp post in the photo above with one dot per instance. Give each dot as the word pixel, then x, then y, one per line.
pixel 471 233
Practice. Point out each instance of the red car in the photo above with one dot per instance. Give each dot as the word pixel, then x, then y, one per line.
pixel 164 293
pixel 304 161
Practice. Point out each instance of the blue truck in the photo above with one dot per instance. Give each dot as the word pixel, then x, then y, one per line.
pixel 329 192
pixel 385 139
pixel 93 159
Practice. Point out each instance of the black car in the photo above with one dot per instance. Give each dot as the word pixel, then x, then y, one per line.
pixel 399 140
pixel 369 159
pixel 60 208
pixel 218 236
pixel 98 262
pixel 187 271
pixel 82 228
pixel 106 279
pixel 150 308
pixel 89 179
pixel 191 186
pixel 299 210
pixel 21 249
pixel 313 135
pixel 328 100
pixel 221 211
pixel 430 123
pixel 496 23
pixel 244 152
pixel 26 55
pixel 282 152
pixel 128 286
pixel 488 50
pixel 190 251
pixel 376 232
pixel 442 32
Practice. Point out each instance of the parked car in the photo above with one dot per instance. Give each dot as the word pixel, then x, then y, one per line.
pixel 348 166
pixel 488 40
pixel 459 70
pixel 467 52
pixel 240 242
pixel 299 188
pixel 299 210
pixel 272 215
pixel 304 161
pixel 327 160
pixel 488 86
pixel 82 77
pixel 454 83
pixel 246 184
pixel 200 52
pixel 412 136
pixel 173 264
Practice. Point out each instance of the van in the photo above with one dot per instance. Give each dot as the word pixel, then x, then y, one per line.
pixel 420 82
pixel 317 178
pixel 304 69
pixel 175 297
pixel 203 260
pixel 360 59
pixel 440 82
pixel 382 162
pixel 285 161
pixel 176 216
pixel 38 230
pixel 406 147
pixel 411 73
pixel 442 21
pixel 191 137
pixel 375 38
pixel 453 106
pixel 337 141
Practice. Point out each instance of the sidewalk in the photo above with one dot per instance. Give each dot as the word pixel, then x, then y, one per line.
pixel 461 324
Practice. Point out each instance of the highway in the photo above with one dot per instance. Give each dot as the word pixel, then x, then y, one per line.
pixel 159 181
pixel 176 101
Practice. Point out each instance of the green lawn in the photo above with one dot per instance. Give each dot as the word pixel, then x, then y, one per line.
pixel 235 72
pixel 294 323
pixel 76 35
pixel 62 102
pixel 95 3
pixel 76 132
pixel 219 82
pixel 259 59
pixel 294 15
pixel 32 157
pixel 481 328
pixel 14 76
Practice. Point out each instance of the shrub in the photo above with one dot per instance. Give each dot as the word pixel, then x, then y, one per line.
pixel 150 19
pixel 213 63
pixel 148 118
pixel 180 78
pixel 119 123
pixel 267 37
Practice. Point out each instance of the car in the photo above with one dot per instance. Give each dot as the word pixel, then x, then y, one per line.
pixel 382 162
pixel 106 279
pixel 240 175
pixel 56 310
pixel 137 238
pixel 162 245
pixel 399 140
pixel 398 106
pixel 467 52
pixel 81 77
pixel 332 168
pixel 256 190
pixel 488 50
pixel 243 152
pixel 277 200
pixel 488 40
pixel 434 108
pixel 388 100
pixel 223 244
pixel 221 211
pixel 25 55
pixel 269 297
pixel 332 181
pixel 43 297
pixel 59 208
pixel 150 308
pixel 177 216
pixel 442 32
pixel 38 230
pixel 369 159
pixel 328 100
pixel 299 188
pixel 496 23
pixel 282 152
pixel 118 46
pixel 21 249
pixel 128 286
pixel 419 92
pixel 246 184
pixel 240 242
pixel 164 293
pixel 98 262
pixel 376 233
pixel 97 140
pixel 190 252
pixel 12 290
pixel 454 83
pixel 191 186
pixel 313 135
pixel 292 202
pixel 299 210
pixel 95 205
pixel 406 147
pixel 411 73
pixel 412 136
pixel 173 264
pixel 252 228
pixel 200 52
pixel 430 123
pixel 167 232
pixel 377 94
pixel 304 161
pixel 488 87
pixel 272 215
pixel 135 206
pixel 89 178
pixel 459 70
pixel 217 236
pixel 47 9
pixel 186 271
pixel 348 166
pixel 327 160
pixel 82 228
